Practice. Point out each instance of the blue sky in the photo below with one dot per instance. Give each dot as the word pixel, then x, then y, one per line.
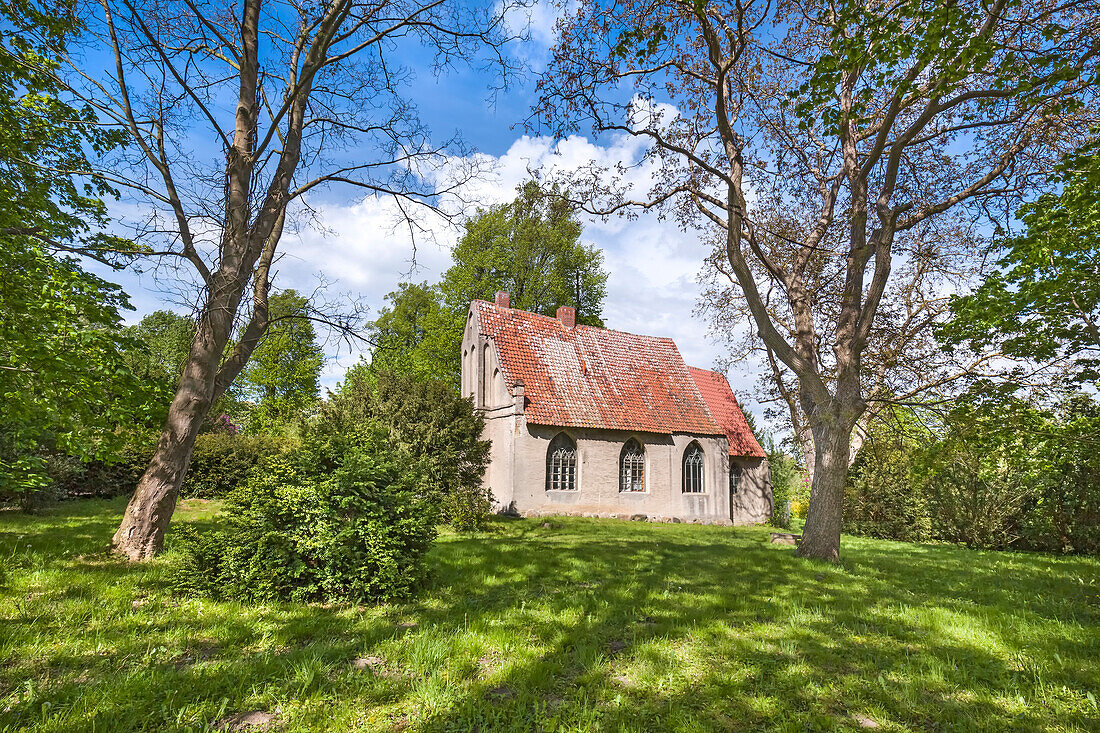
pixel 359 254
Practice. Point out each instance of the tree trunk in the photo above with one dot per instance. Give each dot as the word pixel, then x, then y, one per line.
pixel 141 534
pixel 805 439
pixel 821 535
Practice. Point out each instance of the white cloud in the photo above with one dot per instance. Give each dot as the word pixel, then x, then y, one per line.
pixel 652 286
pixel 363 252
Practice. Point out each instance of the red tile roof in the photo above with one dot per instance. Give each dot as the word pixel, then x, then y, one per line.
pixel 723 405
pixel 600 378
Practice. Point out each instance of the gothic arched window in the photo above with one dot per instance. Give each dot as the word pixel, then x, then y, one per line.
pixel 632 467
pixel 561 464
pixel 735 477
pixel 693 469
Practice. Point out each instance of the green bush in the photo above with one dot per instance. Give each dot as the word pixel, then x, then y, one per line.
pixel 430 423
pixel 975 489
pixel 342 518
pixel 881 497
pixel 115 478
pixel 220 463
pixel 1062 514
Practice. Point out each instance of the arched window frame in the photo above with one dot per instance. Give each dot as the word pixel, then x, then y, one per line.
pixel 483 377
pixel 693 468
pixel 561 464
pixel 737 472
pixel 632 467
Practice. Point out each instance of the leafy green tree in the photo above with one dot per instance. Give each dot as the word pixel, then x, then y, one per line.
pixel 43 139
pixel 412 335
pixel 163 339
pixel 159 346
pixel 282 376
pixel 529 248
pixel 803 141
pixel 1043 302
pixel 64 380
pixel 64 377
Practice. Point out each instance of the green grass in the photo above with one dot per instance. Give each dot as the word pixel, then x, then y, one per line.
pixel 587 625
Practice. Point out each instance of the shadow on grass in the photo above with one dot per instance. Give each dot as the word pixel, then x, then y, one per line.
pixel 586 625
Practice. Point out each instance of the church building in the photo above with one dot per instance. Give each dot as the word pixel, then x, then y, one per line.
pixel 595 422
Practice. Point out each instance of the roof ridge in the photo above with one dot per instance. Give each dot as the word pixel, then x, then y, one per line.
pixel 591 376
pixel 579 325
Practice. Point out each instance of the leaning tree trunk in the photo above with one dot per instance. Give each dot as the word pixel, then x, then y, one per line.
pixel 141 534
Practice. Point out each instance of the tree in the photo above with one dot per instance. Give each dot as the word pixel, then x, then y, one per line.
pixel 412 335
pixel 1043 301
pixel 282 376
pixel 233 112
pixel 903 362
pixel 163 340
pixel 63 376
pixel 530 248
pixel 65 382
pixel 803 139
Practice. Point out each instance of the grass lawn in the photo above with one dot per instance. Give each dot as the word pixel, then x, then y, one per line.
pixel 586 625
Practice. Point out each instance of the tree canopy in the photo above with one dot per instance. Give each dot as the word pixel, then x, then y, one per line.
pixel 1043 301
pixel 281 378
pixel 64 380
pixel 803 141
pixel 529 247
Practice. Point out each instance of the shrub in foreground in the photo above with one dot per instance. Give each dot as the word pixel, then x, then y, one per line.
pixel 343 518
pixel 426 419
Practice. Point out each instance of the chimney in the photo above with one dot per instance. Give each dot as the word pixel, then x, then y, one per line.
pixel 567 314
pixel 502 299
pixel 518 398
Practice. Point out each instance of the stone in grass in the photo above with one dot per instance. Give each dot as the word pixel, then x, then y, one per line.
pixel 638 517
pixel 625 681
pixel 500 692
pixel 865 722
pixel 378 666
pixel 616 646
pixel 255 721
pixel 374 664
pixel 406 626
pixel 487 665
pixel 782 538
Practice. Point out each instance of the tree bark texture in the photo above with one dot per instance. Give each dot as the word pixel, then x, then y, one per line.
pixel 141 534
pixel 821 534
